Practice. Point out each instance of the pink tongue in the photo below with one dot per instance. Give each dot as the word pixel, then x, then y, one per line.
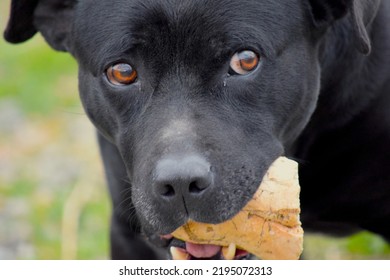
pixel 202 251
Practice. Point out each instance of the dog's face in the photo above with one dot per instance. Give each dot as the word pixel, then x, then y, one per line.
pixel 199 97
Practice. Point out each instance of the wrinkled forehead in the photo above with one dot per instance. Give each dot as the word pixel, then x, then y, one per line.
pixel 186 28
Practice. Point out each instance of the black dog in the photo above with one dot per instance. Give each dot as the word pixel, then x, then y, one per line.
pixel 194 99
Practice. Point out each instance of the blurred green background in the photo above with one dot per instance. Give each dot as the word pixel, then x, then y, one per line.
pixel 53 199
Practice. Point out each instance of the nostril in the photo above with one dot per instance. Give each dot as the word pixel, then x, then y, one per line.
pixel 195 188
pixel 168 190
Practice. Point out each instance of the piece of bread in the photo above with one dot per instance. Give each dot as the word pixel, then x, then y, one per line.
pixel 267 227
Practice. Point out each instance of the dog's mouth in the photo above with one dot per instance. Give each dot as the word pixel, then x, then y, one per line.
pixel 182 250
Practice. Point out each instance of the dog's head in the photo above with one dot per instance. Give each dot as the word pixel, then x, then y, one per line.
pixel 199 96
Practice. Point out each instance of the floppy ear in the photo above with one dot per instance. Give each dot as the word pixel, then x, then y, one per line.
pixel 20 25
pixel 53 18
pixel 360 13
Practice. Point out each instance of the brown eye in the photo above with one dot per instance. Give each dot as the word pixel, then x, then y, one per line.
pixel 244 62
pixel 121 74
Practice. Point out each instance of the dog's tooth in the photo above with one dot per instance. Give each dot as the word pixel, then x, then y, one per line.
pixel 179 254
pixel 229 252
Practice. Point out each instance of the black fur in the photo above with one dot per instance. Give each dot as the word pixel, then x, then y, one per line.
pixel 320 95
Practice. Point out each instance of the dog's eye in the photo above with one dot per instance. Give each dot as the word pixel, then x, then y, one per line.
pixel 244 62
pixel 121 74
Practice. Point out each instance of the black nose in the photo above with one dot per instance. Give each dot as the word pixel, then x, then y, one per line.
pixel 185 177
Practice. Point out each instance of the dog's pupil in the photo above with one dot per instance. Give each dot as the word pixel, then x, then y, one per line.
pixel 122 73
pixel 248 60
pixel 123 70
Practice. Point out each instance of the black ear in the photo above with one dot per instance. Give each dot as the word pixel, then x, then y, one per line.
pixel 360 14
pixel 20 25
pixel 325 12
pixel 53 18
pixel 363 13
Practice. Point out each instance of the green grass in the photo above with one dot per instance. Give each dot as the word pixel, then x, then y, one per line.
pixel 93 231
pixel 367 244
pixel 37 77
pixel 21 187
